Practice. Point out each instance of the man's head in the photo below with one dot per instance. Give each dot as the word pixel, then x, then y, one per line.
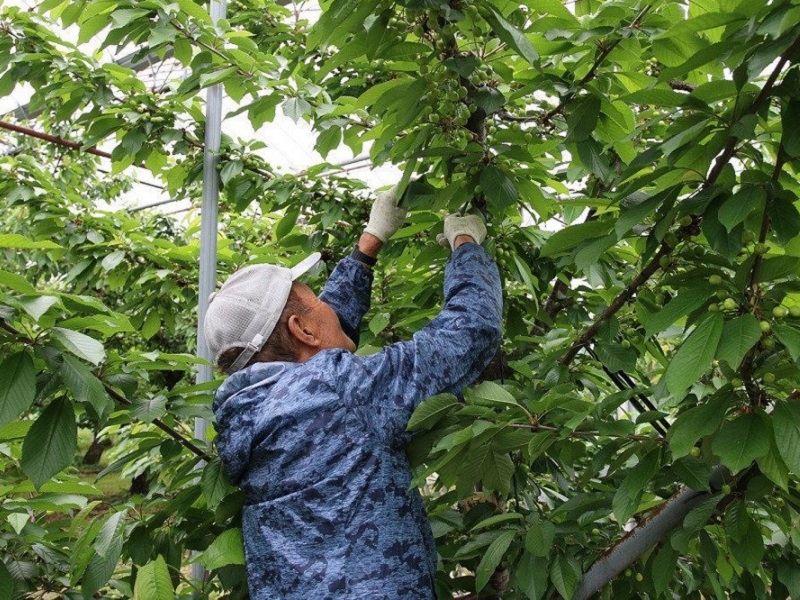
pixel 263 314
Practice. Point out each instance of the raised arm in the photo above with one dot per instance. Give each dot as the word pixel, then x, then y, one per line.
pixel 445 356
pixel 348 288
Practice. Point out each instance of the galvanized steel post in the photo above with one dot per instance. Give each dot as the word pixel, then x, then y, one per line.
pixel 208 233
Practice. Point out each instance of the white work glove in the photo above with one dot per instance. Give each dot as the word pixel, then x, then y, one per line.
pixel 385 217
pixel 455 225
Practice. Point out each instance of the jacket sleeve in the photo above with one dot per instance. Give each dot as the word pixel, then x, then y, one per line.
pixel 445 356
pixel 347 291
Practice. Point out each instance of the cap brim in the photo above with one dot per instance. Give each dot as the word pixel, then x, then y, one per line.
pixel 305 265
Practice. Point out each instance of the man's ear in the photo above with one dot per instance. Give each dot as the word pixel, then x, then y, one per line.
pixel 302 330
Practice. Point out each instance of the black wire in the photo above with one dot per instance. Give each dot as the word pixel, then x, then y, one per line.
pixel 640 401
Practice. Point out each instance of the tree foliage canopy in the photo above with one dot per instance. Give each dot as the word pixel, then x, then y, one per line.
pixel 636 163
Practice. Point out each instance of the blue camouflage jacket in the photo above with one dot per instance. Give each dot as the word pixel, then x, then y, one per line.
pixel 318 446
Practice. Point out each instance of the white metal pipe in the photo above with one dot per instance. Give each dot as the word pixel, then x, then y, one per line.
pixel 208 234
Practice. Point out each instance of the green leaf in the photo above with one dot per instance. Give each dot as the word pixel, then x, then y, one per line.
pixel 540 536
pixel 149 409
pixel 511 36
pixel 694 356
pixel 50 443
pixel 786 423
pixel 489 393
pixel 153 582
pixel 17 241
pixel 629 493
pixel 498 187
pixel 749 549
pixel 687 300
pixel 151 325
pixel 492 557
pixel 693 472
pixel 16 283
pixel 214 482
pixel 379 322
pixel 374 93
pixel 490 99
pixel 495 519
pixel 778 267
pixel 616 358
pixel 194 10
pixel 38 306
pixel 125 16
pixel 84 386
pixel 531 576
pixel 214 77
pixel 582 119
pixel 736 208
pixel 101 568
pixel 226 549
pixel 17 386
pixel 112 260
pixel 697 422
pixel 741 441
pixel 80 344
pixel 296 108
pixel 430 411
pixel 738 336
pixel 790 338
pixel 565 573
pixel 663 568
pixel 109 532
pixel 566 239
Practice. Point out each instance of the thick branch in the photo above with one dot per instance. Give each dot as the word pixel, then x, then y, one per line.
pixel 123 400
pixel 56 140
pixel 656 527
pixel 616 304
pixel 186 443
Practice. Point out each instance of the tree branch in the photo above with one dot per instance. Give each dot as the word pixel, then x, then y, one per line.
pixel 123 400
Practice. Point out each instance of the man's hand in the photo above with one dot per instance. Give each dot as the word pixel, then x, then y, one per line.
pixel 386 217
pixel 459 230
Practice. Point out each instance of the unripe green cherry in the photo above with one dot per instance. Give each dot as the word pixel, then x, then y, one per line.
pixel 713 308
pixel 721 294
pixel 736 382
pixel 769 378
pixel 639 577
pixel 780 312
pixel 664 261
pixel 760 248
pixel 748 237
pixel 628 572
pixel 686 221
pixel 726 489
pixel 729 304
pixel 715 280
pixel 765 326
pixel 595 531
pixel 695 451
pixel 626 344
pixel 768 343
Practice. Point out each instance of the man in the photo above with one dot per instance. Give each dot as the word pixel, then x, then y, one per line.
pixel 314 434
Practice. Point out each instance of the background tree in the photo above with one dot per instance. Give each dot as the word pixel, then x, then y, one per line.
pixel 650 341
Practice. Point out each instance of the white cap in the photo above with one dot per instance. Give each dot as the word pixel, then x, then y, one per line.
pixel 244 312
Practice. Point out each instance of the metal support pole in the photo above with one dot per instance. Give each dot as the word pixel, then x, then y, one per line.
pixel 646 535
pixel 208 235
